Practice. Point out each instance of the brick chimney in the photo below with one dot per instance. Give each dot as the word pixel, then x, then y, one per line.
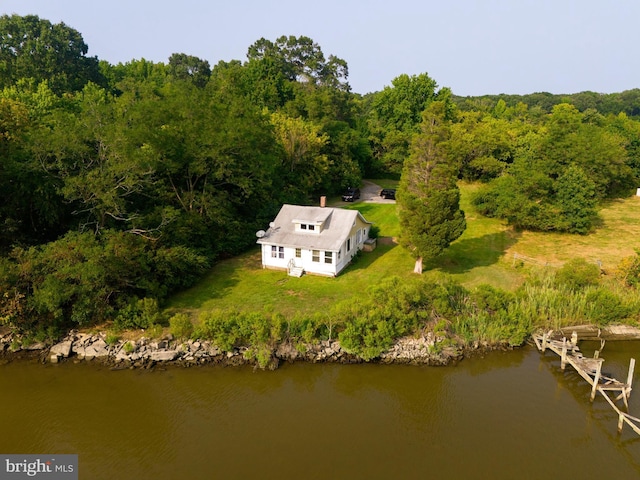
pixel 323 201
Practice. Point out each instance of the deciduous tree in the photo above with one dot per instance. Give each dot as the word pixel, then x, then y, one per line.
pixel 35 48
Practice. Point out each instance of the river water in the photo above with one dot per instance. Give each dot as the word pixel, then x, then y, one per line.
pixel 506 415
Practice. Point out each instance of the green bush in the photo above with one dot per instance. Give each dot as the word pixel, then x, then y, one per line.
pixel 143 313
pixel 231 328
pixel 180 326
pixel 389 310
pixel 491 300
pixel 578 274
pixel 367 338
pixel 303 327
pixel 629 270
pixel 605 307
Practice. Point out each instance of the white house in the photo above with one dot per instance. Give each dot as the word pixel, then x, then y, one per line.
pixel 318 240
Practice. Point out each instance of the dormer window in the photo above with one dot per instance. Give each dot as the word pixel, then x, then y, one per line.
pixel 309 227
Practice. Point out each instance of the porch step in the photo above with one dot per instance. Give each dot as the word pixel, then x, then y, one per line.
pixel 296 271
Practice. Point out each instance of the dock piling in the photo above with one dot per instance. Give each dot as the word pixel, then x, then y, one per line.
pixel 591 371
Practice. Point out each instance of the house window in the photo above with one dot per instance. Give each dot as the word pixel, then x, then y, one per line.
pixel 358 236
pixel 339 253
pixel 328 257
pixel 298 253
pixel 312 227
pixel 315 255
pixel 349 244
pixel 303 226
pixel 280 252
pixel 274 251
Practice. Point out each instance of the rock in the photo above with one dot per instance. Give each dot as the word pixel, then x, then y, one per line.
pixel 95 350
pixel 286 351
pixel 35 346
pixel 82 338
pixel 122 355
pixel 62 349
pixel 99 344
pixel 163 356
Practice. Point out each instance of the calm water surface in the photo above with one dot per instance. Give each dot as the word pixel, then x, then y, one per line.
pixel 505 416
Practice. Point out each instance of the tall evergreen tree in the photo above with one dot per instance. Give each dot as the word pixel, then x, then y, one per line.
pixel 428 197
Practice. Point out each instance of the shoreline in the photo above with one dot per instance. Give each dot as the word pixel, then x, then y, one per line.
pixel 147 353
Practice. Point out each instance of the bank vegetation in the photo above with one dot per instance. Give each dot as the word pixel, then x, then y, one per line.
pixel 124 186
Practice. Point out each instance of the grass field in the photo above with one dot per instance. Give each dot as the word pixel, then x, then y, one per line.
pixel 483 254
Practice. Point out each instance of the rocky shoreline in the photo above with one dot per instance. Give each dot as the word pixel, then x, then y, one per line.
pixel 147 353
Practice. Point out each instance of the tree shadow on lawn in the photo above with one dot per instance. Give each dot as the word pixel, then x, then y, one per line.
pixel 467 254
pixel 218 282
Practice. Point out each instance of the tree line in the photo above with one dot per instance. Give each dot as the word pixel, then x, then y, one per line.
pixel 124 182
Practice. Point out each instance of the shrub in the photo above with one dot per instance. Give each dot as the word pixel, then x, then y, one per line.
pixel 230 328
pixel 606 307
pixel 491 299
pixel 629 270
pixel 304 327
pixel 180 326
pixel 578 274
pixel 143 313
pixel 367 338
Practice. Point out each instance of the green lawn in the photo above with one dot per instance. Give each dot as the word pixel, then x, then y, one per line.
pixel 483 254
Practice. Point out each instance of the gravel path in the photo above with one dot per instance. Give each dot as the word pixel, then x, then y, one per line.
pixel 370 193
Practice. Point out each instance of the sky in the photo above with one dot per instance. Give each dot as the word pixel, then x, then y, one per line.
pixel 474 47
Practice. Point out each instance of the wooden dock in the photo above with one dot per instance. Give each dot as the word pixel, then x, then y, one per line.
pixel 591 370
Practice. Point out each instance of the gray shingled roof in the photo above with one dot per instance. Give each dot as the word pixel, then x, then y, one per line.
pixel 337 226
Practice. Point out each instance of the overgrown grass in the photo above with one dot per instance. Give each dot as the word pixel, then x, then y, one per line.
pixel 614 239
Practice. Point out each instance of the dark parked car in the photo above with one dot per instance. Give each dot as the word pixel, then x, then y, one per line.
pixel 351 194
pixel 388 193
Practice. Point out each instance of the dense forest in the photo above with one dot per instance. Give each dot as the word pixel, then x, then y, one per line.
pixel 126 182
